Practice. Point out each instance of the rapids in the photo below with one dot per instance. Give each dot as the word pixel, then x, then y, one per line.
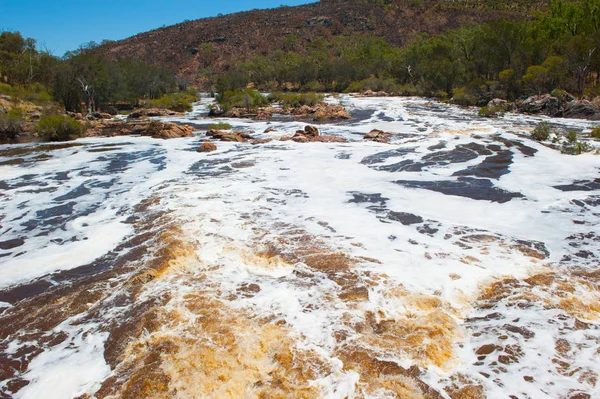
pixel 459 261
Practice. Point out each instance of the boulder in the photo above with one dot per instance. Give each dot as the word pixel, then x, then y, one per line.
pixel 269 130
pixel 102 115
pixel 378 136
pixel 207 147
pixel 581 110
pixel 311 131
pixel 500 105
pixel 222 135
pixel 545 104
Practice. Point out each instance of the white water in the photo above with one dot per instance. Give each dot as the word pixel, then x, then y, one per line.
pixel 242 196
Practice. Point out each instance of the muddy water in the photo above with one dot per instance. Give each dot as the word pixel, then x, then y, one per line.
pixel 459 261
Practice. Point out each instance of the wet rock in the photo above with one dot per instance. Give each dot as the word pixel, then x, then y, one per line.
pixel 403 217
pixel 486 349
pixel 360 293
pixel 545 104
pixel 260 141
pixel 269 130
pixel 207 147
pixel 235 136
pixel 519 330
pixel 477 189
pixel 378 136
pixel 10 244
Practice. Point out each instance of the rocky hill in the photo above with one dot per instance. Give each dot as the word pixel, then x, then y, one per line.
pixel 189 48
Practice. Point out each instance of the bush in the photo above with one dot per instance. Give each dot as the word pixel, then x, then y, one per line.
pixel 572 137
pixel 462 96
pixel 295 100
pixel 178 102
pixel 387 85
pixel 541 131
pixel 595 134
pixel 248 99
pixel 220 126
pixel 59 128
pixel 10 126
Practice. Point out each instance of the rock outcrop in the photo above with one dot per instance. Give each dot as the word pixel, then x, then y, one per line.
pixel 223 135
pixel 156 129
pixel 152 112
pixel 310 134
pixel 545 104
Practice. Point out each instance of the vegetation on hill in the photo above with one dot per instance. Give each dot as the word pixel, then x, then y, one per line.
pixel 82 80
pixel 558 49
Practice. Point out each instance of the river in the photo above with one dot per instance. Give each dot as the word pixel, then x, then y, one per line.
pixel 459 261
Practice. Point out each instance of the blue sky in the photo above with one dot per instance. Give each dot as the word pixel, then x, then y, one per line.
pixel 63 25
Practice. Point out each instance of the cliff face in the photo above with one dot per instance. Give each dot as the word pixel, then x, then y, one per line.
pixel 217 43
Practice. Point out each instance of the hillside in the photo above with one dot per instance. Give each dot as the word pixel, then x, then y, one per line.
pixel 217 43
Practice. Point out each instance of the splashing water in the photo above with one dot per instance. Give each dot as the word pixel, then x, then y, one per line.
pixel 459 261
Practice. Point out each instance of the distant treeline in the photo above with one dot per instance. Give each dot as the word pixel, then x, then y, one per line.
pixel 81 80
pixel 556 49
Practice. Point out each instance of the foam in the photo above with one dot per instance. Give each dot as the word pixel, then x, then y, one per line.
pixel 281 251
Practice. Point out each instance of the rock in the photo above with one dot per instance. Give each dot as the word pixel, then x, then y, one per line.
pixel 378 136
pixel 237 136
pixel 260 141
pixel 311 131
pixel 102 115
pixel 310 134
pixel 269 130
pixel 155 129
pixel 581 110
pixel 215 110
pixel 207 147
pixel 172 131
pixel 151 112
pixel 500 105
pixel 545 104
pixel 135 115
pixel 35 116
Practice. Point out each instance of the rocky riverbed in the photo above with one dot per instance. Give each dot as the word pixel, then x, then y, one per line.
pixel 445 256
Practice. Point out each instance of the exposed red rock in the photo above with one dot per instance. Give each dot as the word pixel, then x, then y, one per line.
pixel 207 147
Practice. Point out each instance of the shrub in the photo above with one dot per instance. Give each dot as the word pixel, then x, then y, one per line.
pixel 572 137
pixel 59 128
pixel 220 126
pixel 595 133
pixel 387 85
pixel 248 99
pixel 295 100
pixel 491 111
pixel 10 126
pixel 178 102
pixel 461 96
pixel 541 131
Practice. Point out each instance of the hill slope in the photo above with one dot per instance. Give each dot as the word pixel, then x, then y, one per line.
pixel 217 43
